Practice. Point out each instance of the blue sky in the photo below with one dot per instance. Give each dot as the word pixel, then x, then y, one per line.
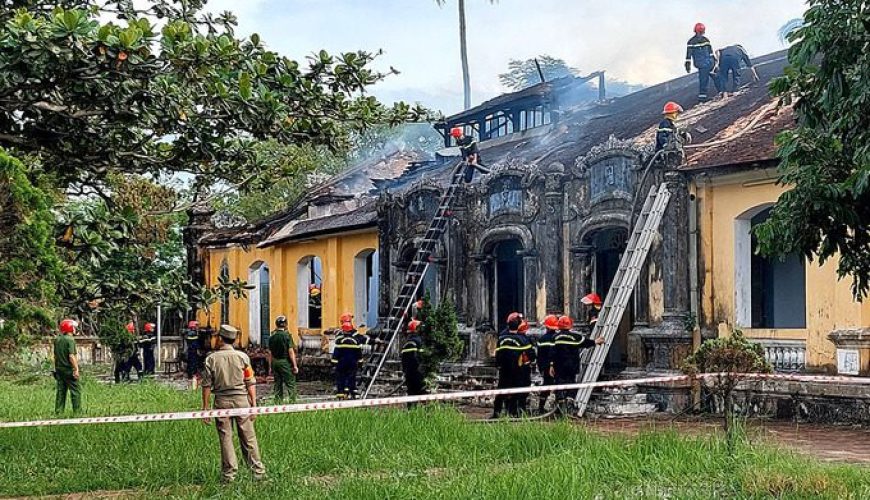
pixel 640 41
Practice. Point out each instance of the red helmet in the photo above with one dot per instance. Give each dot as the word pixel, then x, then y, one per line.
pixel 456 132
pixel 514 316
pixel 413 325
pixel 551 322
pixel 193 324
pixel 149 327
pixel 347 326
pixel 131 327
pixel 672 107
pixel 345 318
pixel 524 327
pixel 68 326
pixel 565 323
pixel 591 299
pixel 700 29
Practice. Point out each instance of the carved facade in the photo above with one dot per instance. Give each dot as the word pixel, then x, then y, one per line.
pixel 536 237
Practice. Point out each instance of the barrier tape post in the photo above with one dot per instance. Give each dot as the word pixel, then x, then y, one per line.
pixel 400 400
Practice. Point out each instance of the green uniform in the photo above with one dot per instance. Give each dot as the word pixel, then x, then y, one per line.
pixel 280 343
pixel 64 346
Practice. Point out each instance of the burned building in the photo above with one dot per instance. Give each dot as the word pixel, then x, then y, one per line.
pixel 551 221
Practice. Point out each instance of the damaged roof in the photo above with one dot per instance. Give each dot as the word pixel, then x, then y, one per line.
pixel 737 129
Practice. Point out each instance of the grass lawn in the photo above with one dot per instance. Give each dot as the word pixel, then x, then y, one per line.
pixel 425 453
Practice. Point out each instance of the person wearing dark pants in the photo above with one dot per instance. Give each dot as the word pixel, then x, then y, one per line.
pixel 527 357
pixel 411 364
pixel 66 368
pixel 508 358
pixel 567 357
pixel 700 52
pixel 283 361
pixel 730 60
pixel 346 356
pixel 147 343
pixel 545 358
pixel 470 154
pixel 191 341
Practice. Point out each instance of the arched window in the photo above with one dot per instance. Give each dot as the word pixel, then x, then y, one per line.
pixel 365 288
pixel 258 301
pixel 309 283
pixel 224 277
pixel 769 292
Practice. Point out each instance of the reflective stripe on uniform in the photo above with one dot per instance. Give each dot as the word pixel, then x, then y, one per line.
pixel 697 45
pixel 348 346
pixel 410 349
pixel 513 348
pixel 546 344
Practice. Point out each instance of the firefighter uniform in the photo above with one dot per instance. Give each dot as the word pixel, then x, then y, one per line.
pixel 700 53
pixel 546 359
pixel 147 344
pixel 510 353
pixel 346 357
pixel 730 59
pixel 191 339
pixel 665 133
pixel 527 357
pixel 566 351
pixel 411 366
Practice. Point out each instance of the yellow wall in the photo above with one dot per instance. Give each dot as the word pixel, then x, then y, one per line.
pixel 829 302
pixel 337 254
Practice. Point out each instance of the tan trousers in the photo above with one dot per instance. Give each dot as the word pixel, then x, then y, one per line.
pixel 247 439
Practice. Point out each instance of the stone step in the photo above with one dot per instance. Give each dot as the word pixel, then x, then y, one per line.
pixel 619 398
pixel 623 409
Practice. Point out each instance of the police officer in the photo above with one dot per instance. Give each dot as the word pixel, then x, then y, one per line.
pixel 66 367
pixel 527 358
pixel 133 361
pixel 192 347
pixel 728 61
pixel 411 365
pixel 228 375
pixel 699 51
pixel 121 352
pixel 347 356
pixel 546 359
pixel 283 360
pixel 470 153
pixel 147 343
pixel 567 356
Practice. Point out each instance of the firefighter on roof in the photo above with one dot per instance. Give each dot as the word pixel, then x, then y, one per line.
pixel 470 153
pixel 699 52
pixel 567 356
pixel 667 133
pixel 728 61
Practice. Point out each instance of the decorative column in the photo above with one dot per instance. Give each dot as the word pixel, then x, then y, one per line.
pixel 531 283
pixel 675 252
pixel 458 264
pixel 551 243
pixel 384 257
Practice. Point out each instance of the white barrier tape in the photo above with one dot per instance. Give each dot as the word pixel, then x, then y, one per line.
pixel 400 400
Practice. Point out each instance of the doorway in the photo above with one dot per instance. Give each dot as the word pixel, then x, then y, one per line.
pixel 609 244
pixel 506 283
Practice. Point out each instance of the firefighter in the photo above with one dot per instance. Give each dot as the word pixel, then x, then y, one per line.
pixel 411 363
pixel 191 341
pixel 593 302
pixel 147 343
pixel 667 131
pixel 729 60
pixel 121 354
pixel 567 356
pixel 545 357
pixel 526 359
pixel 133 361
pixel 700 52
pixel 417 311
pixel 470 153
pixel 509 358
pixel 346 356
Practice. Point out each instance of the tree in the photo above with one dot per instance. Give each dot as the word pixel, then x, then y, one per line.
pixel 523 74
pixel 440 334
pixel 729 357
pixel 29 264
pixel 825 159
pixel 463 51
pixel 90 98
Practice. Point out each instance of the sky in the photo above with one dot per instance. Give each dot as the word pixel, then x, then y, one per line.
pixel 638 41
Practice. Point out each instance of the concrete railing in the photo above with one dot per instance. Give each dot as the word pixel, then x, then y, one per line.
pixel 785 355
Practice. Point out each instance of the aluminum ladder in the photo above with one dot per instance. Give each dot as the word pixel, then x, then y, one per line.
pixel 413 280
pixel 623 286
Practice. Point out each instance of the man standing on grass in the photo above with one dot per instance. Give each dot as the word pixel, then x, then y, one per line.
pixel 66 367
pixel 283 361
pixel 228 374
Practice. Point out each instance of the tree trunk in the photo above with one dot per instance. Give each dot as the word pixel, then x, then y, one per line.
pixel 463 49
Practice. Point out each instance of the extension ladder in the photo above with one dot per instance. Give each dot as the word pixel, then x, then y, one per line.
pixel 623 286
pixel 413 280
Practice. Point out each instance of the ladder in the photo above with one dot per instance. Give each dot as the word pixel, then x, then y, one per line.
pixel 623 286
pixel 413 280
